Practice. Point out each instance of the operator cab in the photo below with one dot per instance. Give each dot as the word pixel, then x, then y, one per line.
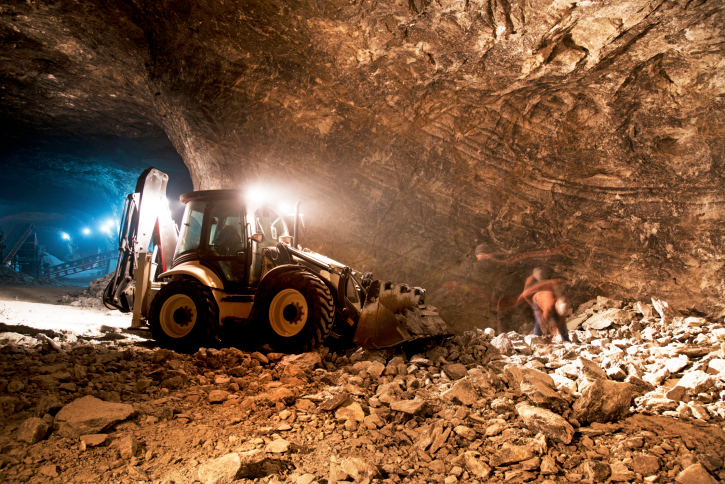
pixel 216 231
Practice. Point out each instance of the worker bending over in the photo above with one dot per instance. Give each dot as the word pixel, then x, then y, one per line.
pixel 548 306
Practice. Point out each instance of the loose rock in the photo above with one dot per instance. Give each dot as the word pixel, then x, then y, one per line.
pixel 90 415
pixel 33 430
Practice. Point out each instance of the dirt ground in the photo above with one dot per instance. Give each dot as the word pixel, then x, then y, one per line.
pixel 40 307
pixel 83 399
pixel 37 294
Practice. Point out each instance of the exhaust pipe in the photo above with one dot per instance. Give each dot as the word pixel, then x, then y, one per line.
pixel 295 236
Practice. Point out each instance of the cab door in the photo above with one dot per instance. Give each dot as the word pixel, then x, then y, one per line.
pixel 224 244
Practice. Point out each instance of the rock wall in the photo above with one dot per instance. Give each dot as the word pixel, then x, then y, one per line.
pixel 413 131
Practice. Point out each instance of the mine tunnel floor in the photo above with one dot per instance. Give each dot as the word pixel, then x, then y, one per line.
pixel 85 400
pixel 37 293
pixel 42 308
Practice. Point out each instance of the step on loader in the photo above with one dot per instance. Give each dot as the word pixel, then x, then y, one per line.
pixel 234 272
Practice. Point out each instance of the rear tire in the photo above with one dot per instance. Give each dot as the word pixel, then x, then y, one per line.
pixel 183 316
pixel 295 312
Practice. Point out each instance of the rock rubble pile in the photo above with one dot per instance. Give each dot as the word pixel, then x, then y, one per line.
pixel 9 277
pixel 637 398
pixel 92 296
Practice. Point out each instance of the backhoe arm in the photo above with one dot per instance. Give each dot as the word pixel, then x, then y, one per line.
pixel 146 219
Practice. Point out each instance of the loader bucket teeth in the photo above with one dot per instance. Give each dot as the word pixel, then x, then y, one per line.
pixel 394 314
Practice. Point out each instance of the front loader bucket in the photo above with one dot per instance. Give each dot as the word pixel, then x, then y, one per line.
pixel 394 314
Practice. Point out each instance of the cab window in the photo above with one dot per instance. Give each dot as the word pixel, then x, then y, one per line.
pixel 226 229
pixel 351 291
pixel 190 233
pixel 270 224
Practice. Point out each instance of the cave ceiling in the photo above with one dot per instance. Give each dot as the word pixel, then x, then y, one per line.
pixel 415 130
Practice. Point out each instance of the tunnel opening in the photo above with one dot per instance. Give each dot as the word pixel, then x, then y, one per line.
pixel 72 188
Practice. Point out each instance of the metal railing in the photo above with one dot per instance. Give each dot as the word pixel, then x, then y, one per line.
pixel 80 265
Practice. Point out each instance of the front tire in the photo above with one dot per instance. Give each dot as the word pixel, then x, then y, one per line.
pixel 183 316
pixel 295 312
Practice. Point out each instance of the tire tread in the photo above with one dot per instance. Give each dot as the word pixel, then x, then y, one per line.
pixel 207 317
pixel 323 313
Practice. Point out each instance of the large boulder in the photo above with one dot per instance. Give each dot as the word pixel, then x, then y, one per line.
pixel 305 361
pixel 510 454
pixel 647 465
pixel 32 430
pixel 353 411
pixel 695 474
pixel 607 318
pixel 411 407
pixel 243 465
pixel 604 401
pixel 692 383
pixel 359 469
pixel 462 393
pixel 553 426
pixel 475 466
pixel 539 387
pixel 455 371
pixel 590 370
pixel 597 471
pixel 90 415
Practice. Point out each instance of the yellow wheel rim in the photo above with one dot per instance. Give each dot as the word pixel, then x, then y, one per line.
pixel 288 312
pixel 178 316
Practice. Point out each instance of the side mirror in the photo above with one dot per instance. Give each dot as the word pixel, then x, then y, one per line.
pixel 258 238
pixel 286 239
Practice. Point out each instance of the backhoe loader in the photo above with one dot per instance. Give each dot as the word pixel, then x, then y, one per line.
pixel 234 273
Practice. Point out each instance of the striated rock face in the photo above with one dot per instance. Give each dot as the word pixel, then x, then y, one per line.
pixel 589 133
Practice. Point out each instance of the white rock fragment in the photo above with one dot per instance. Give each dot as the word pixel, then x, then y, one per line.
pixel 541 420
